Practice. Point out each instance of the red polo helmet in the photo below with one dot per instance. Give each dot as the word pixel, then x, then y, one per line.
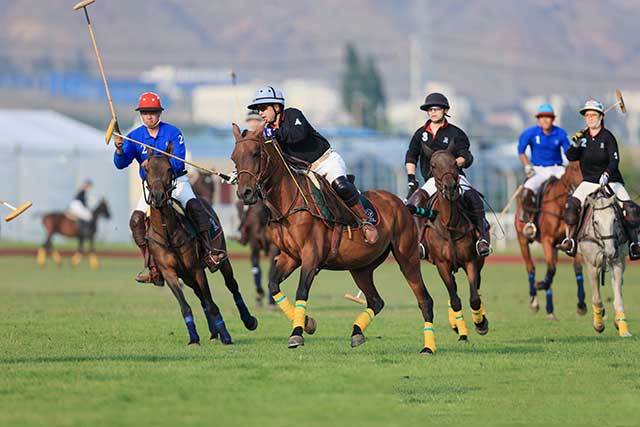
pixel 149 102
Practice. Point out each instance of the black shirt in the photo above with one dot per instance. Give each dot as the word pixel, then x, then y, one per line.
pixel 82 197
pixel 597 154
pixel 298 138
pixel 424 143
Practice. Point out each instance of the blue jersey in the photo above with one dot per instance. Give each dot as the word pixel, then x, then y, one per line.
pixel 546 150
pixel 166 133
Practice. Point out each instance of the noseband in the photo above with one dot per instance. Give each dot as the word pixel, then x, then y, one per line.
pixel 259 176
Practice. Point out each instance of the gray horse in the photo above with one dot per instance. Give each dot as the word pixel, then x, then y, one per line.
pixel 602 242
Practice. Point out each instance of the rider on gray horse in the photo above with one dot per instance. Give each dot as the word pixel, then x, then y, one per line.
pixel 597 150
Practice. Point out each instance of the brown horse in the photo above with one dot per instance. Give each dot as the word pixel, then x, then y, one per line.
pixel 60 223
pixel 551 231
pixel 449 242
pixel 254 231
pixel 204 186
pixel 307 240
pixel 174 247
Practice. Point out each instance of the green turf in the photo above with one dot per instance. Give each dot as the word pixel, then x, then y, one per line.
pixel 92 348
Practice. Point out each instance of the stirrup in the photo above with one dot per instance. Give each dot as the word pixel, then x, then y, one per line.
pixel 572 246
pixel 363 226
pixel 633 245
pixel 530 230
pixel 422 250
pixel 489 251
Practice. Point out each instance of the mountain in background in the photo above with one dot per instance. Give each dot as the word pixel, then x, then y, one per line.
pixel 495 51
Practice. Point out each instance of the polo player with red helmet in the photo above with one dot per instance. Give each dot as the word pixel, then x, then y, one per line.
pixel 159 134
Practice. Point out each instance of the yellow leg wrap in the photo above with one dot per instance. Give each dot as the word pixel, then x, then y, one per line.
pixel 41 257
pixel 452 316
pixel 462 327
pixel 429 336
pixel 364 319
pixel 299 314
pixel 477 315
pixel 598 320
pixel 284 304
pixel 93 261
pixel 623 326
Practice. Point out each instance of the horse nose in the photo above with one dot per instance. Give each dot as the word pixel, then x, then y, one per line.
pixel 247 194
pixel 156 198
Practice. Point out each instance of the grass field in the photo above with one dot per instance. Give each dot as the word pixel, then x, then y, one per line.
pixel 79 347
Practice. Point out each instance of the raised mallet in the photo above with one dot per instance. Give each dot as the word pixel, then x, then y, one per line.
pixel 619 103
pixel 16 210
pixel 356 298
pixel 111 132
pixel 113 125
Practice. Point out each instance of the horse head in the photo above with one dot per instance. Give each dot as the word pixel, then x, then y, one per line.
pixel 160 179
pixel 446 173
pixel 102 209
pixel 572 176
pixel 605 225
pixel 252 163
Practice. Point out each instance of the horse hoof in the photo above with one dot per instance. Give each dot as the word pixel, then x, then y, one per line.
pixel 551 316
pixel 357 340
pixel 193 344
pixel 534 306
pixel 252 324
pixel 542 286
pixel 454 329
pixel 599 329
pixel 426 351
pixel 463 339
pixel 296 341
pixel 626 334
pixel 482 328
pixel 213 337
pixel 581 309
pixel 310 325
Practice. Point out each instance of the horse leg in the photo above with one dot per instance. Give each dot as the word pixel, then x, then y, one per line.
pixel 364 280
pixel 577 269
pixel 525 250
pixel 200 286
pixel 551 258
pixel 282 268
pixel 187 315
pixel 257 273
pixel 250 322
pixel 273 254
pixel 449 280
pixel 76 258
pixel 41 257
pixel 477 308
pixel 620 322
pixel 404 248
pixel 596 301
pixel 93 258
pixel 310 263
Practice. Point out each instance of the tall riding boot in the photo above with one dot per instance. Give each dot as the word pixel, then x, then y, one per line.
pixel 138 227
pixel 571 218
pixel 474 202
pixel 528 213
pixel 212 257
pixel 368 230
pixel 631 222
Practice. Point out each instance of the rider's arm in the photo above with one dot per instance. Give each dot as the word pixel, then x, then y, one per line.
pixel 523 143
pixel 178 150
pixel 413 153
pixel 565 143
pixel 294 129
pixel 614 156
pixel 575 152
pixel 127 155
pixel 464 158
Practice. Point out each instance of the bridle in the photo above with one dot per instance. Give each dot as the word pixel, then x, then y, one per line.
pixel 259 176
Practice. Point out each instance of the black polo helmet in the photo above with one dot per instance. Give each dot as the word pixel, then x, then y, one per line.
pixel 435 99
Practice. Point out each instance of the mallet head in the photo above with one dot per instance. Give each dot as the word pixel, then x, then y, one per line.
pixel 109 133
pixel 19 210
pixel 620 100
pixel 82 4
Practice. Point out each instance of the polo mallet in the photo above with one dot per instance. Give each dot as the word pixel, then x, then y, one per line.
pixel 113 124
pixel 17 211
pixel 111 132
pixel 510 202
pixel 356 298
pixel 234 83
pixel 619 103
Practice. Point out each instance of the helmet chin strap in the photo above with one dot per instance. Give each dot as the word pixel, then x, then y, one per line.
pixel 277 114
pixel 155 125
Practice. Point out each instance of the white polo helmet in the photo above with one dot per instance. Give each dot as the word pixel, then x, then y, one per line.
pixel 266 95
pixel 592 105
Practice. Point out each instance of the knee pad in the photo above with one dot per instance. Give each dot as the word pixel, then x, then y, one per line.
pixel 346 190
pixel 137 224
pixel 631 213
pixel 572 211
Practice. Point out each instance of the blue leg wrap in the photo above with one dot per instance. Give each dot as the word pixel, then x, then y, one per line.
pixel 225 337
pixel 580 282
pixel 532 284
pixel 191 327
pixel 549 294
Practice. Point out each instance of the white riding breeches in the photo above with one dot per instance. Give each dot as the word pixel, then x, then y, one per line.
pixel 330 165
pixel 80 211
pixel 543 173
pixel 182 193
pixel 430 185
pixel 585 188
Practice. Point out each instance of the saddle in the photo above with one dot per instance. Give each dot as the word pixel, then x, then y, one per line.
pixel 327 204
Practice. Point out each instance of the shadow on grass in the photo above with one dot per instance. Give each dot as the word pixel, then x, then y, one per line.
pixel 105 358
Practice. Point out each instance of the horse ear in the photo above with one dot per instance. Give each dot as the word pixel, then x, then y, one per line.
pixel 236 132
pixel 452 146
pixel 170 147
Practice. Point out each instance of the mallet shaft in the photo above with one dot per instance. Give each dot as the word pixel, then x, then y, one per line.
pixel 13 208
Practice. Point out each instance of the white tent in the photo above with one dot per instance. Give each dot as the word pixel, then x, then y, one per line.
pixel 45 158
